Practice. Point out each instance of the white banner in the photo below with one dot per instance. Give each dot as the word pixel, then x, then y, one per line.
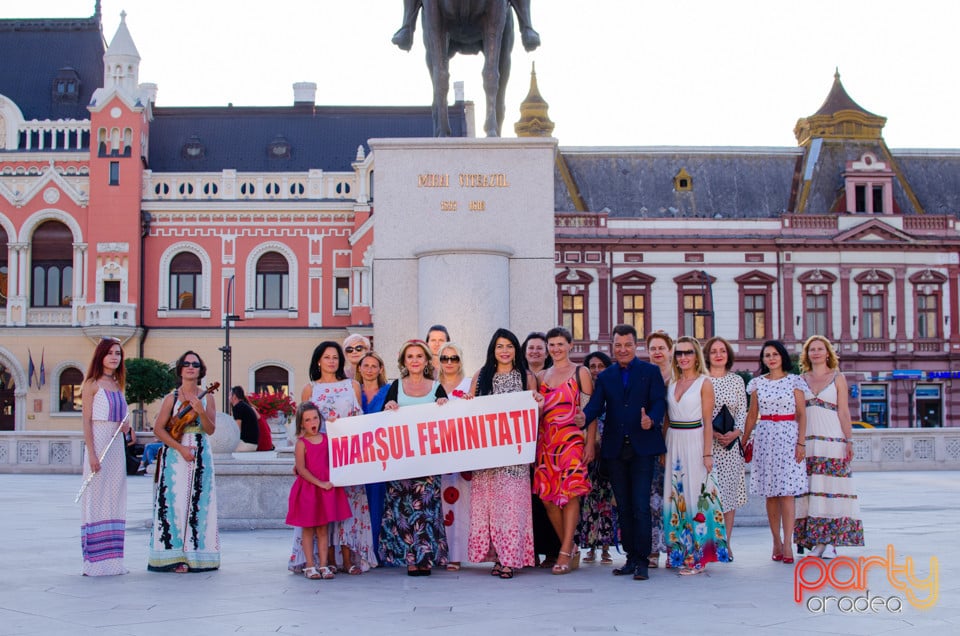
pixel 427 439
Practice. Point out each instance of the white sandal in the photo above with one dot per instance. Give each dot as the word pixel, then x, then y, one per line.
pixel 312 573
pixel 326 572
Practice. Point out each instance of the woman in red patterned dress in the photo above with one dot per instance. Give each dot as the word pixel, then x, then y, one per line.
pixel 563 449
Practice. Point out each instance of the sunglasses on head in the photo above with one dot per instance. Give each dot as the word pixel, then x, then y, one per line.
pixel 357 349
pixel 195 365
pixel 449 358
pixel 679 353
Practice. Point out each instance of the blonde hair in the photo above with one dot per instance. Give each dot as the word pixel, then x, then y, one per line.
pixel 428 371
pixel 382 376
pixel 459 350
pixel 833 361
pixel 700 367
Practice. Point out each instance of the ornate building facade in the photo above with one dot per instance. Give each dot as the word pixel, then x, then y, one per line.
pixel 162 225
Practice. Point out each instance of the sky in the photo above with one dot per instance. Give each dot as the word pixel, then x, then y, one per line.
pixel 624 73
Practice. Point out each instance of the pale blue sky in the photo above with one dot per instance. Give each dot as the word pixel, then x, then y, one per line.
pixel 625 73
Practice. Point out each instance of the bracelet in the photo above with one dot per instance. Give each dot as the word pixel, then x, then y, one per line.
pixel 799 444
pixel 710 455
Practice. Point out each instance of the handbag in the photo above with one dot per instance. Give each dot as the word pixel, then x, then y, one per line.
pixel 748 452
pixel 723 423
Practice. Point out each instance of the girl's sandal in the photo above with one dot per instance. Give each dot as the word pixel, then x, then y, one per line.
pixel 355 570
pixel 311 573
pixel 326 572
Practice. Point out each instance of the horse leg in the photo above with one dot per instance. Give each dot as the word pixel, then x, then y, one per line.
pixel 506 46
pixel 404 35
pixel 438 62
pixel 493 29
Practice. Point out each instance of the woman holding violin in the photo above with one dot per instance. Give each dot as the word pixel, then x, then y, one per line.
pixel 185 537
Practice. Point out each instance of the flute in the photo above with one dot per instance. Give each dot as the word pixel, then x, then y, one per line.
pixel 86 482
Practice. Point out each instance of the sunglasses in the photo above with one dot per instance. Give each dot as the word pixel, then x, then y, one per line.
pixel 449 358
pixel 679 353
pixel 357 349
pixel 195 365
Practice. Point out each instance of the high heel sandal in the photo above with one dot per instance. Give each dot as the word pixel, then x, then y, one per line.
pixel 565 568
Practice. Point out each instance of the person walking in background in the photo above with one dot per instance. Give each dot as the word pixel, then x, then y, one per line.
pixel 828 514
pixel 103 505
pixel 777 413
pixel 728 468
pixel 632 395
pixel 185 536
pixel 437 336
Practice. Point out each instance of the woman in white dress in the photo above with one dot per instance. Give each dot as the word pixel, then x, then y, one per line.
pixel 778 415
pixel 829 513
pixel 693 520
pixel 455 486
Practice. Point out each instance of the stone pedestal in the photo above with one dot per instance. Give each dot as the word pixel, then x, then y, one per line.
pixel 464 237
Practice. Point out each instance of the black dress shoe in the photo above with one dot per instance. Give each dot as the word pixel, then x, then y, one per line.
pixel 640 573
pixel 628 569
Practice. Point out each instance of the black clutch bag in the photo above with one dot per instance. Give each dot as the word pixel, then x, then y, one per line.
pixel 723 423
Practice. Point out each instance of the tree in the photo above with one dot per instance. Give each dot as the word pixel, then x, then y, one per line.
pixel 147 380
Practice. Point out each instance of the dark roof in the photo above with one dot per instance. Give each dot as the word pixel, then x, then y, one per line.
pixel 934 176
pixel 34 52
pixel 838 99
pixel 323 138
pixel 730 182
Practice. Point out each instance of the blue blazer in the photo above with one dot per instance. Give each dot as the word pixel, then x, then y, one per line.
pixel 622 405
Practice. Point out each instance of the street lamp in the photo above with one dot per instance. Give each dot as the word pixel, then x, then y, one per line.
pixel 707 288
pixel 226 350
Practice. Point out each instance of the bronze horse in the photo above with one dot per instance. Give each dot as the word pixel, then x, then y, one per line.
pixel 468 27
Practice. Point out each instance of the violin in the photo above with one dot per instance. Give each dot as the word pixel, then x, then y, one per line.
pixel 186 414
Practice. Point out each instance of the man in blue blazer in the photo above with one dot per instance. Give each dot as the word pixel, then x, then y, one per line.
pixel 632 395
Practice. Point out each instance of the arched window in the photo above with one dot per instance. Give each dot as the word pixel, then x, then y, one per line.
pixel 272 281
pixel 185 272
pixel 71 383
pixel 52 275
pixel 271 379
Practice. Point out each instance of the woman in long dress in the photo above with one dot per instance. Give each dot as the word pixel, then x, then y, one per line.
pixel 185 536
pixel 338 396
pixel 598 514
pixel 564 451
pixel 412 533
pixel 103 510
pixel 829 513
pixel 456 486
pixel 693 520
pixel 728 468
pixel 777 412
pixel 659 348
pixel 501 527
pixel 373 394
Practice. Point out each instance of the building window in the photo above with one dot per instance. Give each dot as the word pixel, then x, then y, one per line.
pixel 52 275
pixel 695 298
pixel 4 272
pixel 71 387
pixel 635 313
pixel 342 284
pixel 572 314
pixel 114 173
pixel 271 379
pixel 872 314
pixel 755 317
pixel 272 281
pixel 633 299
pixel 927 303
pixel 185 277
pixel 694 315
pixel 816 311
pixel 111 291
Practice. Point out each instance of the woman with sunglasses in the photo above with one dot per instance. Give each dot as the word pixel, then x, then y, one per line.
pixel 692 512
pixel 778 472
pixel 185 536
pixel 455 486
pixel 354 346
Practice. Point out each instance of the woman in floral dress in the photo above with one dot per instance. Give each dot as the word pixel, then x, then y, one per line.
pixel 501 527
pixel 777 413
pixel 829 513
